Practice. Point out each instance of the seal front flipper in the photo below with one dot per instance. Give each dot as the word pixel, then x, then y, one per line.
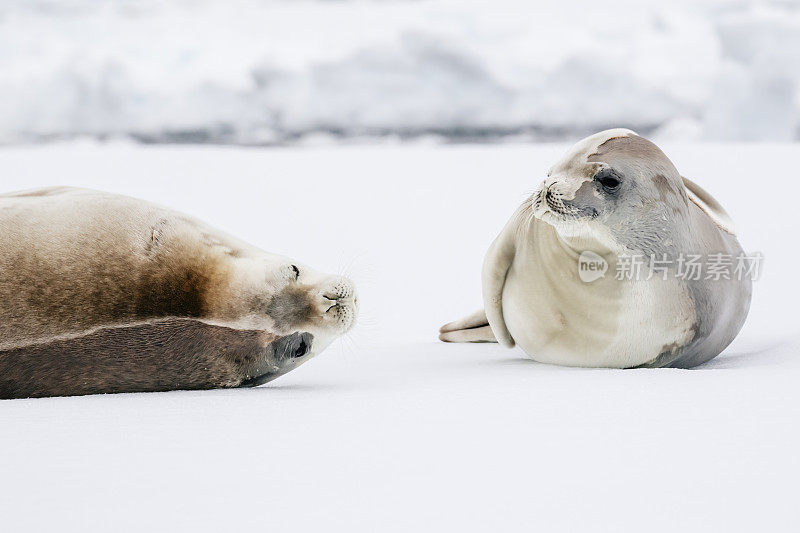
pixel 493 278
pixel 489 324
pixel 471 328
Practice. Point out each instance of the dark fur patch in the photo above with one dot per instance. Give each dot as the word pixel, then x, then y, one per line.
pixel 291 307
pixel 662 185
pixel 631 146
pixel 668 195
pixel 168 277
pixel 168 292
pixel 159 356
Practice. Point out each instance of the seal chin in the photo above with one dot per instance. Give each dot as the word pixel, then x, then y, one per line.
pixel 260 380
pixel 583 225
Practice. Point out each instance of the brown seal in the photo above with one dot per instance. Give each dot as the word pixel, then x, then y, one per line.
pixel 105 293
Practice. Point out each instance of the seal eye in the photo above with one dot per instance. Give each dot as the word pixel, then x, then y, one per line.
pixel 301 349
pixel 608 179
pixel 296 272
pixel 292 346
pixel 609 183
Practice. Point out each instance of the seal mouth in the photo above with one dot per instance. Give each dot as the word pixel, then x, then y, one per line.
pixel 549 205
pixel 260 379
pixel 555 202
pixel 338 306
pixel 341 310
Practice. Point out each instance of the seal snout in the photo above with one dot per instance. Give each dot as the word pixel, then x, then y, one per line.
pixel 341 290
pixel 554 200
pixel 339 301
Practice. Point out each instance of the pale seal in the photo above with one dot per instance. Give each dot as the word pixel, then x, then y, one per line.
pixel 616 198
pixel 104 293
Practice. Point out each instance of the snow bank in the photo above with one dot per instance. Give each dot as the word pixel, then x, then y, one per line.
pixel 249 71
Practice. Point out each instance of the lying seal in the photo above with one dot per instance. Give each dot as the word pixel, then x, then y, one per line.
pixel 613 198
pixel 104 293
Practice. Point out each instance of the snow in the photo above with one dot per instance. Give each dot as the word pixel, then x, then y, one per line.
pixel 390 430
pixel 266 72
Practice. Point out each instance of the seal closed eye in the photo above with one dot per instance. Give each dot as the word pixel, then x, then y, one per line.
pixel 613 195
pixel 104 293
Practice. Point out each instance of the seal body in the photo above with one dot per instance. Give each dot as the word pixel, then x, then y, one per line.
pixel 105 293
pixel 616 198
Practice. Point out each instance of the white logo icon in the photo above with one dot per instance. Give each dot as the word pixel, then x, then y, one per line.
pixel 591 266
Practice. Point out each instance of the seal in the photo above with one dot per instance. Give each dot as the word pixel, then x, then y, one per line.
pixel 614 201
pixel 103 293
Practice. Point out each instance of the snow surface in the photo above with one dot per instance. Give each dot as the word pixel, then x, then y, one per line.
pixel 270 71
pixel 390 430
